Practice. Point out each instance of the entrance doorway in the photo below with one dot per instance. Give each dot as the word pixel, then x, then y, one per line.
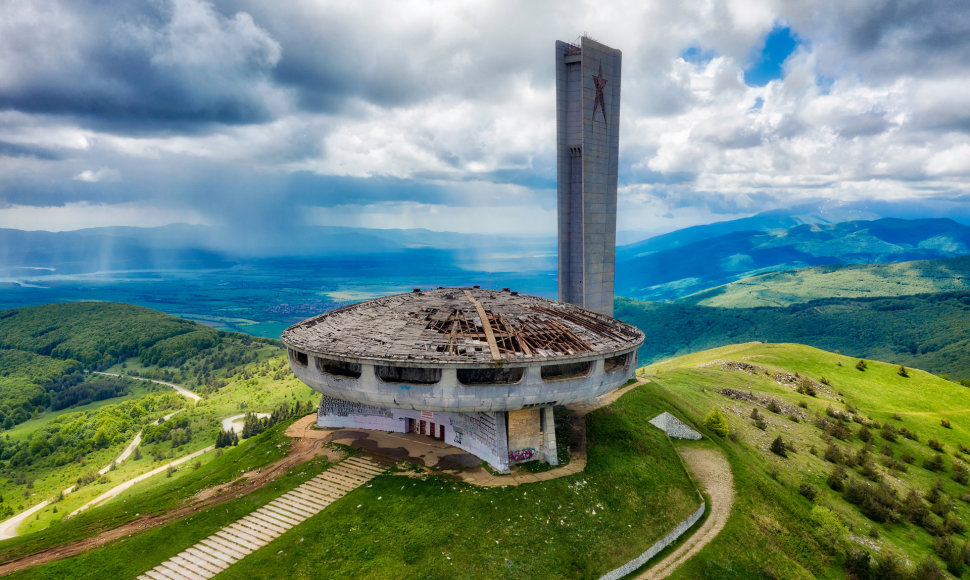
pixel 427 428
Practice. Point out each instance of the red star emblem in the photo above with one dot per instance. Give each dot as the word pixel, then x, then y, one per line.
pixel 599 103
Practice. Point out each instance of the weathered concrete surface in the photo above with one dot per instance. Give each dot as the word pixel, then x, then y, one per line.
pixel 587 133
pixel 674 427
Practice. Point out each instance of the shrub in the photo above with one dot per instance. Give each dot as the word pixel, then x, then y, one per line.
pixel 914 509
pixel 864 434
pixel 897 417
pixel 945 423
pixel 773 406
pixel 934 463
pixel 901 371
pixel 888 432
pixel 889 566
pixel 858 564
pixel 911 435
pixel 836 479
pixel 861 365
pixel 809 491
pixel 949 552
pixel 824 381
pixel 907 458
pixel 928 569
pixel 716 422
pixel 935 445
pixel 960 473
pixel 778 447
pixel 833 454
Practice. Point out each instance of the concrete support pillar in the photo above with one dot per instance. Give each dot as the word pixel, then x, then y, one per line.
pixel 549 437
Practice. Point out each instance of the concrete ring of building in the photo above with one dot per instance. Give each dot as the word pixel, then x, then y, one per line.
pixel 433 351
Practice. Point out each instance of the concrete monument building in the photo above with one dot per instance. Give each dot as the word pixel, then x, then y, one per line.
pixel 483 369
pixel 588 143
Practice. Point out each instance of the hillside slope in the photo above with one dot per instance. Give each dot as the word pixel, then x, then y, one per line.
pixel 666 272
pixel 44 348
pixel 890 500
pixel 929 331
pixel 839 281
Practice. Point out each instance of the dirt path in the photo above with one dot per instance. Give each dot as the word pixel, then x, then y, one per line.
pixel 180 390
pixel 8 528
pixel 301 450
pixel 713 472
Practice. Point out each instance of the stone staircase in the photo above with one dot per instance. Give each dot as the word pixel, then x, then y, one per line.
pixel 233 542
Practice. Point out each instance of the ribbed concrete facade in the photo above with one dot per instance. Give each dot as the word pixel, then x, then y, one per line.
pixel 587 133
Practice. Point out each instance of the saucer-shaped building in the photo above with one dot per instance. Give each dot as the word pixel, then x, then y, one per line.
pixel 481 369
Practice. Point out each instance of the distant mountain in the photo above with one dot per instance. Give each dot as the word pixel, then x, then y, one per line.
pixel 685 262
pixel 927 331
pixel 839 281
pixel 180 246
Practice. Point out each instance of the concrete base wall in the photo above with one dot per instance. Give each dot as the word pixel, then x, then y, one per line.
pixel 481 434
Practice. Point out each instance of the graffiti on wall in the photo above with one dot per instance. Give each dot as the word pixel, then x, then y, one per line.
pixel 336 407
pixel 520 455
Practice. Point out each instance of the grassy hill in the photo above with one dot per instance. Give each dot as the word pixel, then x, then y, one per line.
pixel 929 331
pixel 663 270
pixel 43 350
pixel 874 473
pixel 422 524
pixel 839 281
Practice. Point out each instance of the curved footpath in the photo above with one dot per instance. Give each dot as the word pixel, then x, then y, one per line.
pixel 8 527
pixel 181 390
pixel 713 472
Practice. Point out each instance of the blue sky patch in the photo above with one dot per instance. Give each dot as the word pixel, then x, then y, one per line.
pixel 695 55
pixel 766 64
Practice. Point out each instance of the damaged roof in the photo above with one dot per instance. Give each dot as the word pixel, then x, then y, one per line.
pixel 462 325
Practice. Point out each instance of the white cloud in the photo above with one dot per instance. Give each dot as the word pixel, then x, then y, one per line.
pixel 459 96
pixel 103 174
pixel 75 216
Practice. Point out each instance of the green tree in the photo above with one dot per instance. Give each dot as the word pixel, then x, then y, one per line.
pixel 716 422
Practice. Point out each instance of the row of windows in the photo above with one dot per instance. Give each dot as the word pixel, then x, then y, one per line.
pixel 479 376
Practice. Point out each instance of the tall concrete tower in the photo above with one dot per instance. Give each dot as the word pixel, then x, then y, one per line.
pixel 587 135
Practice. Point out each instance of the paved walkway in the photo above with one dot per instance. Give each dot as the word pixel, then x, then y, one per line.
pixel 235 541
pixel 713 472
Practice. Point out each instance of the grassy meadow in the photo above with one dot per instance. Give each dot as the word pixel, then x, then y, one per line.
pixel 776 531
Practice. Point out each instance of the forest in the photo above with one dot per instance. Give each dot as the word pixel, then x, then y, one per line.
pixel 50 351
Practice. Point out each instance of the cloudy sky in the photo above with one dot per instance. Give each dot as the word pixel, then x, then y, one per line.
pixel 269 115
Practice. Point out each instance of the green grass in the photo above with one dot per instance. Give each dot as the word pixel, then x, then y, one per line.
pixel 261 392
pixel 633 490
pixel 160 495
pixel 779 289
pixel 772 532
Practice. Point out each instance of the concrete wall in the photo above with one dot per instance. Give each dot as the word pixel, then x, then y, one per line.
pixel 451 395
pixel 587 202
pixel 643 558
pixel 481 434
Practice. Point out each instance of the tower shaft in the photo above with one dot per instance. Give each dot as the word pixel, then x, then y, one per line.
pixel 587 134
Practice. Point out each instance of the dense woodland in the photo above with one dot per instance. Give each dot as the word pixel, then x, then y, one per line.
pixel 48 353
pixel 927 331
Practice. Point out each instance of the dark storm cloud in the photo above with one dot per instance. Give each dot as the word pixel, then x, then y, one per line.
pixel 20 150
pixel 135 65
pixel 883 39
